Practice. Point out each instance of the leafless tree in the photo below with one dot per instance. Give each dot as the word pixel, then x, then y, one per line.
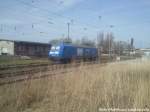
pixel 100 41
pixel 87 42
pixel 105 42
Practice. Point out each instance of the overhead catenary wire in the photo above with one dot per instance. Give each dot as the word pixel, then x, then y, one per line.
pixel 56 14
pixel 1 28
pixel 48 19
pixel 32 4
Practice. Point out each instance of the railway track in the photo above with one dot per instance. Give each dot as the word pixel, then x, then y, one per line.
pixel 14 75
pixel 20 70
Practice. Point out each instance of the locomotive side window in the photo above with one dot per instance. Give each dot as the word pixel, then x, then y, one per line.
pixel 79 51
pixel 87 52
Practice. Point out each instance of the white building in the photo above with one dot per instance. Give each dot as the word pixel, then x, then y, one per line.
pixel 24 48
pixel 146 53
pixel 6 47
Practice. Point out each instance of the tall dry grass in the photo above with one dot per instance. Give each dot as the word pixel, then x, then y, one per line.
pixel 116 85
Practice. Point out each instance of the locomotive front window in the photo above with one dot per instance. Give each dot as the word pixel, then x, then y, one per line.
pixel 55 48
pixel 58 48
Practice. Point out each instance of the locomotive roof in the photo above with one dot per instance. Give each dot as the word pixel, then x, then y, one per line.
pixel 75 45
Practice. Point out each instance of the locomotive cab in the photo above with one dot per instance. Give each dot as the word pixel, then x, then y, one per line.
pixel 55 53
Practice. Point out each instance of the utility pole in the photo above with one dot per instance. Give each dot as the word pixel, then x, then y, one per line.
pixel 98 42
pixel 110 41
pixel 98 47
pixel 109 47
pixel 119 48
pixel 1 29
pixel 132 42
pixel 68 31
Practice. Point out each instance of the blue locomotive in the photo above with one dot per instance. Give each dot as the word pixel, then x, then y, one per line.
pixel 68 52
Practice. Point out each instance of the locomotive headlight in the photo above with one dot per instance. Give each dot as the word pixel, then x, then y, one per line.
pixel 56 52
pixel 51 52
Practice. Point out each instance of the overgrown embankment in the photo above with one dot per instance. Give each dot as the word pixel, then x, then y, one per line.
pixel 117 85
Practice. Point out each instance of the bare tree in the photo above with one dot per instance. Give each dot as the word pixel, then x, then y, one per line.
pixel 86 42
pixel 100 41
pixel 105 42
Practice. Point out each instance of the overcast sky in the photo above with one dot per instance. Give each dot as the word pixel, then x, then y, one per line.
pixel 43 20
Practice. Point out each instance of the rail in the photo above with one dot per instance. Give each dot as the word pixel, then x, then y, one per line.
pixel 29 73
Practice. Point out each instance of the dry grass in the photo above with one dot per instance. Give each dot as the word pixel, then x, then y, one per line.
pixel 123 85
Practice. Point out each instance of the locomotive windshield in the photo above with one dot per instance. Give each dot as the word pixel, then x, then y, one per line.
pixel 55 48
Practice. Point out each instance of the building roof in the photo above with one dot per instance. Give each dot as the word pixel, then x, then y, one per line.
pixel 18 41
pixel 71 44
pixel 146 49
